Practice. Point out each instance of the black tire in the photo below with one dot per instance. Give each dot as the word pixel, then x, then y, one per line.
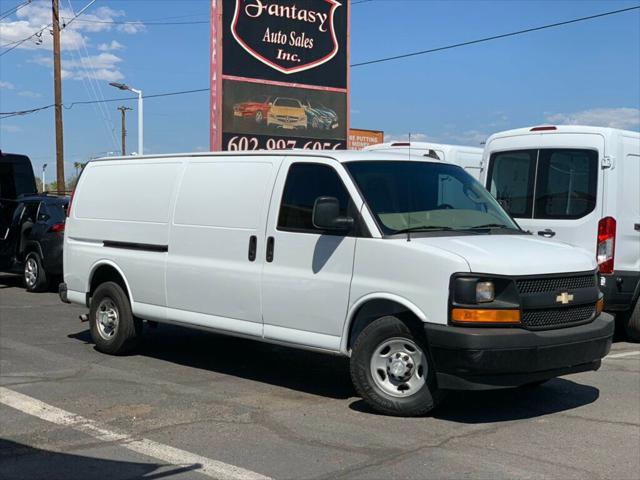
pixel 631 323
pixel 535 384
pixel 109 296
pixel 34 274
pixel 375 334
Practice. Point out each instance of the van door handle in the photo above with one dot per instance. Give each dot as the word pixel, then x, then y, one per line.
pixel 270 242
pixel 637 227
pixel 253 246
pixel 547 233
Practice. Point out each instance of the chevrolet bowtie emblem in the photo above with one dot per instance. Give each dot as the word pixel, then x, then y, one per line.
pixel 564 298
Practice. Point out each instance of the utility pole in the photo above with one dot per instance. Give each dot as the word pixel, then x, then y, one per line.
pixel 124 109
pixel 57 90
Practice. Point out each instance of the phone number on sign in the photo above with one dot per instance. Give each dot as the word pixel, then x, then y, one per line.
pixel 240 142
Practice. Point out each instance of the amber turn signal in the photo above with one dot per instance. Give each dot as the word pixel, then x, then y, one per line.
pixel 600 305
pixel 469 315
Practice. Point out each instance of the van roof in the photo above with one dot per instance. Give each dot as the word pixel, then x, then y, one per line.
pixel 547 129
pixel 421 146
pixel 341 156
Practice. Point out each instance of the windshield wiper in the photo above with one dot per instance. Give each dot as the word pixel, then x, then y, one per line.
pixel 491 225
pixel 422 228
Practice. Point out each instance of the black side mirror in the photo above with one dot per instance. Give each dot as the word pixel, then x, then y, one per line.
pixel 326 215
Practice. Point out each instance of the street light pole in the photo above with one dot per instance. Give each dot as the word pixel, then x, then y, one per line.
pixel 140 122
pixel 44 183
pixel 123 86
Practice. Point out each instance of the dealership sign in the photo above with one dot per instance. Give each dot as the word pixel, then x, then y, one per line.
pixel 279 74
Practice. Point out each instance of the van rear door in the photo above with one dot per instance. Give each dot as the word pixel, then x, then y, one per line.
pixel 216 249
pixel 627 213
pixel 553 186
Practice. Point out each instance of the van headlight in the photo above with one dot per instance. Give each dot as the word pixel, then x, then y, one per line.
pixel 483 300
pixel 485 292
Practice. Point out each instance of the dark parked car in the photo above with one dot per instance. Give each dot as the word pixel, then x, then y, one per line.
pixel 31 238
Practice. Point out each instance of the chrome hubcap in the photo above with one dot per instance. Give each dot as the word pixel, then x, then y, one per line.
pixel 107 319
pixel 30 272
pixel 399 367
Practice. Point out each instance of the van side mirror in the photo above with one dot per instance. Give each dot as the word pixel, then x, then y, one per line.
pixel 326 215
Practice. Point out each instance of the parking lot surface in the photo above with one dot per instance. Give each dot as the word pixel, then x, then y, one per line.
pixel 189 404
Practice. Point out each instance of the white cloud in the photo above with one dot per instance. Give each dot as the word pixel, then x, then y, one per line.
pixel 108 47
pixel 132 27
pixel 103 66
pixel 29 94
pixel 7 85
pixel 472 138
pixel 10 128
pixel 404 137
pixel 37 16
pixel 627 118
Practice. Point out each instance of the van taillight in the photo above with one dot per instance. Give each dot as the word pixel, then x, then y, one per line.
pixel 606 247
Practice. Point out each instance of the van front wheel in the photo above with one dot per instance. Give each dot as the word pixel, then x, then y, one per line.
pixel 392 371
pixel 113 327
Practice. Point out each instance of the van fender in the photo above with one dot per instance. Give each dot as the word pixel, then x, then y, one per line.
pixel 99 264
pixel 375 296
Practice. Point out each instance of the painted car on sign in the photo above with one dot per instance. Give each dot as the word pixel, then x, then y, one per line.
pixel 320 116
pixel 256 109
pixel 287 113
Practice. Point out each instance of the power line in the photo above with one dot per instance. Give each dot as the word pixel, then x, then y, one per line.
pixel 495 37
pixel 146 23
pixel 89 102
pixel 13 10
pixel 17 43
pixel 386 59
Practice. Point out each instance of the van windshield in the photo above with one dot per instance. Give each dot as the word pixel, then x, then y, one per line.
pixel 424 196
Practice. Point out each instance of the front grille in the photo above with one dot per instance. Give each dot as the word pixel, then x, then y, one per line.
pixel 557 317
pixel 288 119
pixel 540 285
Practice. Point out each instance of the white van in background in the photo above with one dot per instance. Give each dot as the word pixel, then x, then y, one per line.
pixel 469 158
pixel 434 290
pixel 579 185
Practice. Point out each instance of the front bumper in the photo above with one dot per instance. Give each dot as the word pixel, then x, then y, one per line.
pixel 475 358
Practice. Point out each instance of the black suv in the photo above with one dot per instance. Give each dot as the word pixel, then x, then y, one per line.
pixel 31 238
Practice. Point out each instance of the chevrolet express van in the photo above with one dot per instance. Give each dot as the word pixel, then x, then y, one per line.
pixel 407 265
pixel 579 185
pixel 469 158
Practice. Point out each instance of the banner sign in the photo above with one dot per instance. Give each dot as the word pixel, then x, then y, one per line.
pixel 279 74
pixel 358 138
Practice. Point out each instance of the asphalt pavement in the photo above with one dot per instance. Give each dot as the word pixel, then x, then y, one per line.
pixel 192 405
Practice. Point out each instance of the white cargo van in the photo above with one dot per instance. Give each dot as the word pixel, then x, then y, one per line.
pixel 579 185
pixel 405 264
pixel 469 158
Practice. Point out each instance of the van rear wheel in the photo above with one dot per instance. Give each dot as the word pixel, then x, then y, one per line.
pixel 392 371
pixel 113 327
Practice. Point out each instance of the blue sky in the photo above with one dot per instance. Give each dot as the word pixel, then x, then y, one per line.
pixel 587 72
